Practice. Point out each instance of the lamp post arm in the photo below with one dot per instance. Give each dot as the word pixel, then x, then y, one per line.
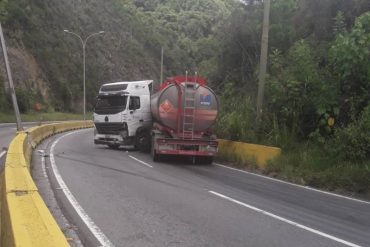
pixel 78 36
pixel 91 35
pixel 83 42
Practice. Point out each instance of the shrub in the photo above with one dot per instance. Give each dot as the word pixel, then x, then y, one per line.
pixel 237 117
pixel 353 142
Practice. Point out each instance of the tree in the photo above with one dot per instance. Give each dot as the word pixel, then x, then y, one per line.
pixel 349 56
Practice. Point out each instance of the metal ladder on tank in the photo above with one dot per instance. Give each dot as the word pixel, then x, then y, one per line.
pixel 189 109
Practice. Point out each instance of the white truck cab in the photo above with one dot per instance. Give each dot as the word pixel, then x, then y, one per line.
pixel 122 114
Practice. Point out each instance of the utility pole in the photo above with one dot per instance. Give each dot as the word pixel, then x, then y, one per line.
pixel 161 78
pixel 11 85
pixel 263 58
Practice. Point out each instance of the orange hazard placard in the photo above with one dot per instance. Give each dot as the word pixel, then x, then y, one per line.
pixel 166 106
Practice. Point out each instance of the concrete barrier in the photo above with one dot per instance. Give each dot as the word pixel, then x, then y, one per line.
pixel 25 219
pixel 244 153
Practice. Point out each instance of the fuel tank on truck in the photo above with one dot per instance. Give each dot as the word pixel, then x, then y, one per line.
pixel 165 106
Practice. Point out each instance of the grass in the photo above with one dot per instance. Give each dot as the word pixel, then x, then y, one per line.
pixel 310 165
pixel 48 116
pixel 313 166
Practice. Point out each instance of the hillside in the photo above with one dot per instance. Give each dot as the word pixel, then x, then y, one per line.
pixel 317 98
pixel 47 62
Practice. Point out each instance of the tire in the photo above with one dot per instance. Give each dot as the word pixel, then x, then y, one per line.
pixel 208 160
pixel 142 141
pixel 205 160
pixel 113 146
pixel 156 157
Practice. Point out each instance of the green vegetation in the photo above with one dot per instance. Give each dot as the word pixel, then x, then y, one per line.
pixel 130 49
pixel 41 117
pixel 317 97
pixel 318 91
pixel 309 165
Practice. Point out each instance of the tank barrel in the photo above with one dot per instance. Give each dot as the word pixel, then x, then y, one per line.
pixel 167 105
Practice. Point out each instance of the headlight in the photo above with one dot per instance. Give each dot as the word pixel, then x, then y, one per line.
pixel 124 133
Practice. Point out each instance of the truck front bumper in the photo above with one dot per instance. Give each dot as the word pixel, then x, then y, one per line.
pixel 108 139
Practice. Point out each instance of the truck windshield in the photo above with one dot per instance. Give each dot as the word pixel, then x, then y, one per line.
pixel 110 104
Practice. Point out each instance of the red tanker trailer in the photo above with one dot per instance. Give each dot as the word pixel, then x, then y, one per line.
pixel 183 111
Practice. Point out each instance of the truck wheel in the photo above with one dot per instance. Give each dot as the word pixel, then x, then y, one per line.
pixel 142 141
pixel 206 160
pixel 156 157
pixel 113 146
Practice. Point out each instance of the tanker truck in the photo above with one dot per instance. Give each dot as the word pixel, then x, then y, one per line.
pixel 176 120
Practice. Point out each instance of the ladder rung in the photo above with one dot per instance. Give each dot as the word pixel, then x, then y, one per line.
pixel 189 110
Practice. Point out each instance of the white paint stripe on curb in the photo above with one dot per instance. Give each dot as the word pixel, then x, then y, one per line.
pixel 43 166
pixel 297 185
pixel 140 161
pixel 95 230
pixel 2 154
pixel 285 220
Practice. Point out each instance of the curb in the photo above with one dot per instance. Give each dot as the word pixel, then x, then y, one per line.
pixel 25 219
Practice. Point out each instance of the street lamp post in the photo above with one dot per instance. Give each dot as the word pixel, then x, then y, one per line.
pixel 83 42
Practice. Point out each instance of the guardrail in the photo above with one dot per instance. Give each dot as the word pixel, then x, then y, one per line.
pixel 244 153
pixel 25 219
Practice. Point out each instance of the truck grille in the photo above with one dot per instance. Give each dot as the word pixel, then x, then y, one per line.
pixel 110 128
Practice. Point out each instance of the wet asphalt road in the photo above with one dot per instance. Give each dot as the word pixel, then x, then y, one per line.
pixel 136 202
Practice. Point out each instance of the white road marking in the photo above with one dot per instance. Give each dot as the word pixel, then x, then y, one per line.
pixel 43 165
pixel 95 230
pixel 297 185
pixel 2 154
pixel 285 220
pixel 140 161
